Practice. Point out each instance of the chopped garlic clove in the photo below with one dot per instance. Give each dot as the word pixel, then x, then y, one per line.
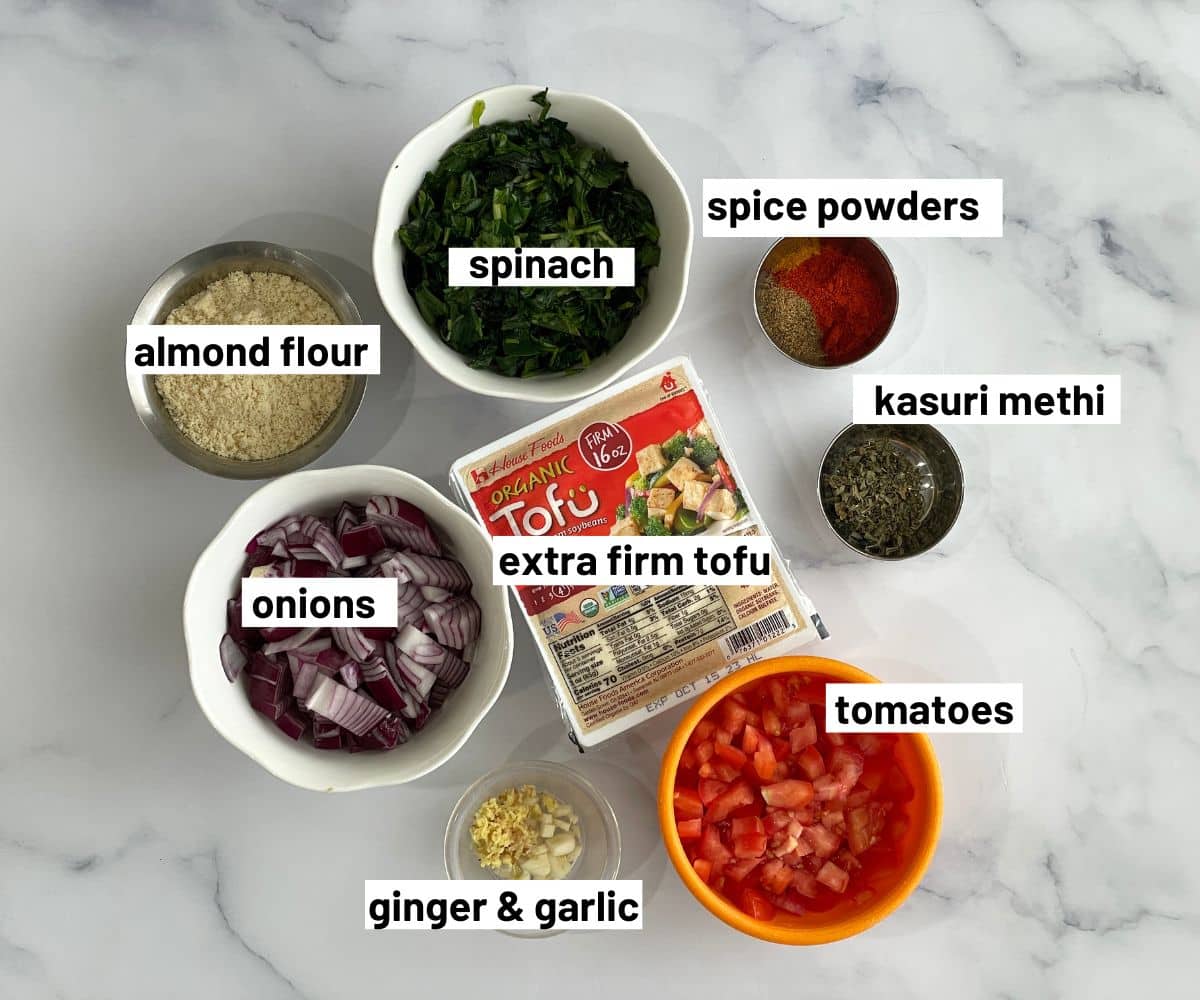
pixel 561 845
pixel 536 867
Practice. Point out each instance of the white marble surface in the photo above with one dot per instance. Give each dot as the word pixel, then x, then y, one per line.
pixel 140 856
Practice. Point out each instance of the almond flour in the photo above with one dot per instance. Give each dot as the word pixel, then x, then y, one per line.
pixel 252 417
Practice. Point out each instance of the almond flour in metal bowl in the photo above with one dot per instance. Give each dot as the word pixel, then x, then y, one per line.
pixel 252 417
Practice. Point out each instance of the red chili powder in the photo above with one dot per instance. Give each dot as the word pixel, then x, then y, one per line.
pixel 849 305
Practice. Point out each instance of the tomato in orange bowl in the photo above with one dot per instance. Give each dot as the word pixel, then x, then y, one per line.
pixel 784 830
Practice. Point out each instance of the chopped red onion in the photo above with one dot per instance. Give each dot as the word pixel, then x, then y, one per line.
pixel 347 708
pixel 456 622
pixel 427 571
pixel 403 524
pixel 353 642
pixel 291 642
pixel 233 657
pixel 361 688
pixel 292 723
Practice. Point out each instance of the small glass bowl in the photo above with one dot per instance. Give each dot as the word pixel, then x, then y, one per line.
pixel 600 856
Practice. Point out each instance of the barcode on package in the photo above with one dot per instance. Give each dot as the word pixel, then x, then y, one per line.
pixel 758 633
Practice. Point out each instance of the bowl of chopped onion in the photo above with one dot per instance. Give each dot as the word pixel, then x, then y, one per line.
pixel 338 709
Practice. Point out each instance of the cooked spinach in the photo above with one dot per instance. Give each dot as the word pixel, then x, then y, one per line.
pixel 527 183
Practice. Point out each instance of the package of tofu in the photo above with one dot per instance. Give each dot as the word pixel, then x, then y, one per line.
pixel 644 457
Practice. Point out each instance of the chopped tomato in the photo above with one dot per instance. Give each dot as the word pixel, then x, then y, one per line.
pixel 742 825
pixel 755 808
pixel 711 848
pixel 872 744
pixel 775 876
pixel 826 787
pixel 719 769
pixel 776 821
pixel 764 762
pixel 776 692
pixel 833 876
pixel 805 883
pixel 731 754
pixel 734 717
pixel 847 766
pixel 788 794
pixel 798 712
pixel 724 770
pixel 750 845
pixel 823 841
pixel 757 905
pixel 809 761
pixel 858 829
pixel 688 804
pixel 771 723
pixel 789 904
pixel 803 736
pixel 740 794
pixel 750 739
pixel 739 871
pixel 778 814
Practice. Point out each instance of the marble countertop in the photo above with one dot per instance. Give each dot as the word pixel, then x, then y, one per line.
pixel 141 856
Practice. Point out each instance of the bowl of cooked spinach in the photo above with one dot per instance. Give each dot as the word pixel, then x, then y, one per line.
pixel 518 166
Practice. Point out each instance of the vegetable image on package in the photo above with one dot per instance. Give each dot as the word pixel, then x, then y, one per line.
pixel 643 458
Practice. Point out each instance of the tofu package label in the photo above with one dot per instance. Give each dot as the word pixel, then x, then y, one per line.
pixel 645 457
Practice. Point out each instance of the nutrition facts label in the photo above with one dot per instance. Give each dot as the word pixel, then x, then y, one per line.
pixel 658 628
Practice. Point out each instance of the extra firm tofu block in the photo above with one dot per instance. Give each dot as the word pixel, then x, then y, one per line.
pixel 619 652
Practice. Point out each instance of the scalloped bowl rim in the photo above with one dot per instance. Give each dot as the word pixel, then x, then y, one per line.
pixel 399 305
pixel 202 649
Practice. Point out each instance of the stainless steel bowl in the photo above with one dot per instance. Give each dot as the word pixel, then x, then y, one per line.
pixel 866 250
pixel 941 473
pixel 192 274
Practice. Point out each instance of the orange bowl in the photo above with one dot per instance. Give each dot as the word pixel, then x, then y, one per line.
pixel 914 753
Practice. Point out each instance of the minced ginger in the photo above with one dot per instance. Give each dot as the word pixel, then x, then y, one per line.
pixel 526 834
pixel 252 417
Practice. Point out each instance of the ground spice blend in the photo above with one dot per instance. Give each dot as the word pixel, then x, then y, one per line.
pixel 840 296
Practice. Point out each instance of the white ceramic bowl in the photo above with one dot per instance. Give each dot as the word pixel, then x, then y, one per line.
pixel 215 579
pixel 592 120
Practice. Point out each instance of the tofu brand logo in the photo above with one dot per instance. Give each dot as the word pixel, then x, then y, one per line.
pixel 667 384
pixel 605 446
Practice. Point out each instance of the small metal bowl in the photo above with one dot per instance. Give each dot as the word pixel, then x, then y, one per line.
pixel 941 482
pixel 196 272
pixel 867 251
